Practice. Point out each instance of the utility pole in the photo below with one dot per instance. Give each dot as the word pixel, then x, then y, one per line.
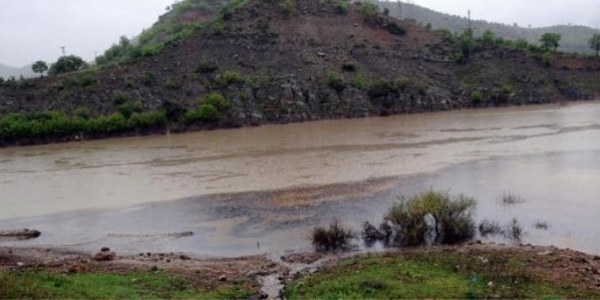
pixel 64 52
pixel 409 8
pixel 401 16
pixel 470 25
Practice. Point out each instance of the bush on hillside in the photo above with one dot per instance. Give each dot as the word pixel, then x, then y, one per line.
pixel 476 97
pixel 286 7
pixel 349 66
pixel 209 113
pixel 217 101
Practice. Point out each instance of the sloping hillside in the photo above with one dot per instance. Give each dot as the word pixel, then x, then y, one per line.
pixel 270 61
pixel 574 38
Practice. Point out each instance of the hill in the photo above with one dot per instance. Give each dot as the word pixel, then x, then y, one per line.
pixel 574 38
pixel 279 61
pixel 7 71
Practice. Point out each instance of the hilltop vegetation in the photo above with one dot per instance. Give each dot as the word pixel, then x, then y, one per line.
pixel 177 24
pixel 205 65
pixel 575 37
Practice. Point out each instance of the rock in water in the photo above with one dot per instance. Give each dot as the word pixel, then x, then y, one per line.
pixel 21 234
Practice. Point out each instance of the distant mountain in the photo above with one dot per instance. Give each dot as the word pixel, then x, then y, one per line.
pixel 7 71
pixel 574 38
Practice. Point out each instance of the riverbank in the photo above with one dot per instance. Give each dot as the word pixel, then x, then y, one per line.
pixel 467 271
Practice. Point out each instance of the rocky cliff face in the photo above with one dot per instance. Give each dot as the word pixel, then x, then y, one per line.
pixel 312 62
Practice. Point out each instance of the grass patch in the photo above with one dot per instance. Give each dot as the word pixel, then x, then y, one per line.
pixel 434 275
pixel 110 286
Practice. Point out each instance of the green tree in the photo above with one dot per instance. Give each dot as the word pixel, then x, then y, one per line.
pixel 595 43
pixel 39 67
pixel 550 41
pixel 488 37
pixel 67 64
pixel 466 45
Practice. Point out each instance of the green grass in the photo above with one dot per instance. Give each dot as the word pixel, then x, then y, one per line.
pixel 110 286
pixel 395 276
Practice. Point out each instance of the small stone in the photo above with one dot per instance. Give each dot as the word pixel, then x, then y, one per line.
pixel 545 253
pixel 223 278
pixel 105 249
pixel 149 254
pixel 184 257
pixel 20 264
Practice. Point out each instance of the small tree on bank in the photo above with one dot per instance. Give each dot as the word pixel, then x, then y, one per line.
pixel 595 43
pixel 39 67
pixel 550 41
pixel 67 64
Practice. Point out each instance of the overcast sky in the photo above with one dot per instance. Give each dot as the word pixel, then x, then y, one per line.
pixel 36 29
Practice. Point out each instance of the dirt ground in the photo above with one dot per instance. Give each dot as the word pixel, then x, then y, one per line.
pixel 549 264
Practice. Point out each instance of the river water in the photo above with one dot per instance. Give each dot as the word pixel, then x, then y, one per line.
pixel 256 190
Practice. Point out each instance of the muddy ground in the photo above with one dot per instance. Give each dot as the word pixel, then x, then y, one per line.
pixel 266 275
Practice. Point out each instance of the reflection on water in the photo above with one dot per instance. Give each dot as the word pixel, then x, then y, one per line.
pixel 548 155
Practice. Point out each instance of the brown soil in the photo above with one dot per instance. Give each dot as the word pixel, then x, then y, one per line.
pixel 208 273
pixel 548 264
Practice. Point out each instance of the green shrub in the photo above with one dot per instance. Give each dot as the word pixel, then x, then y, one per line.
pixel 87 80
pixel 381 88
pixel 149 78
pixel 341 6
pixel 83 112
pixel 359 82
pixel 286 7
pixel 206 66
pixel 217 28
pixel 435 216
pixel 395 29
pixel 128 82
pixel 349 66
pixel 476 97
pixel 217 101
pixel 547 59
pixel 114 123
pixel 209 113
pixel 120 97
pixel 127 109
pixel 172 84
pixel 335 237
pixel 521 44
pixel 192 116
pixel 335 82
pixel 401 82
pixel 230 77
pixel 369 10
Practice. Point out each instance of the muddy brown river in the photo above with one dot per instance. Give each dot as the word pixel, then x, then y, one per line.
pixel 257 190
